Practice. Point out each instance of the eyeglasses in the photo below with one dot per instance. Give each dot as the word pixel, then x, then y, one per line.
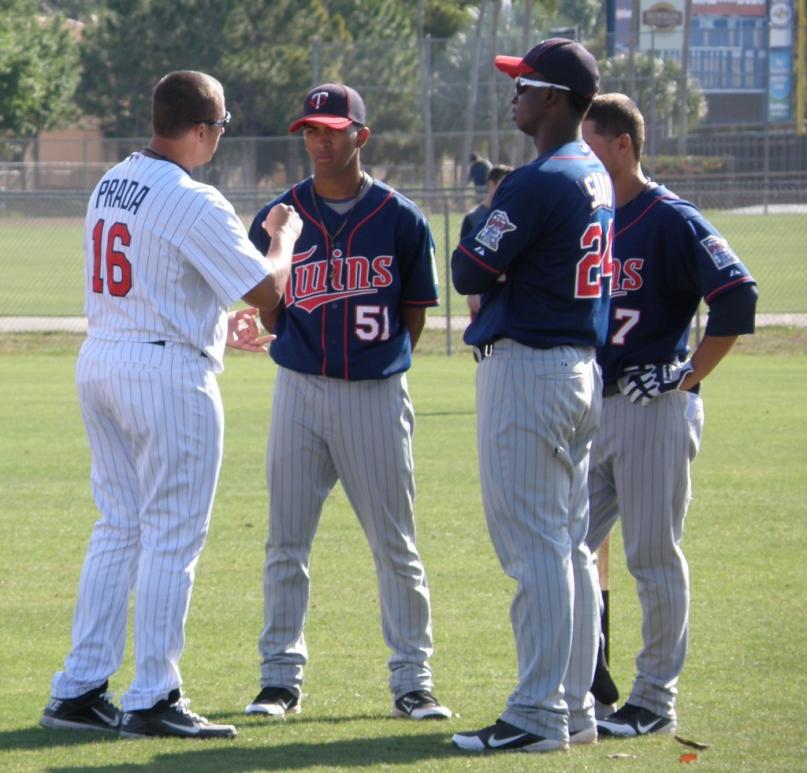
pixel 221 123
pixel 523 83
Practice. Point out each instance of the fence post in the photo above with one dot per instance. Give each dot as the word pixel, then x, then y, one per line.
pixel 447 250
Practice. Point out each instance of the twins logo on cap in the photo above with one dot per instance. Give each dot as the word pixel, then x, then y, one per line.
pixel 318 99
pixel 333 105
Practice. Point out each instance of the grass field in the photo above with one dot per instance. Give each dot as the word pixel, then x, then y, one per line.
pixel 42 262
pixel 742 691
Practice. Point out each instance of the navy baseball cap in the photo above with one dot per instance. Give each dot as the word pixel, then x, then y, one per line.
pixel 331 104
pixel 557 60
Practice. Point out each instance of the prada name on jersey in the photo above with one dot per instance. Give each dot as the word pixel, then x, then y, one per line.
pixel 123 194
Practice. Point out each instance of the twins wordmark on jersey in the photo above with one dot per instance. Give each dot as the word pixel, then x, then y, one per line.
pixel 351 276
pixel 317 282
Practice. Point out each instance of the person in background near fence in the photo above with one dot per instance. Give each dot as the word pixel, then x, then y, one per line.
pixel 477 214
pixel 165 257
pixel 542 260
pixel 478 173
pixel 667 258
pixel 353 312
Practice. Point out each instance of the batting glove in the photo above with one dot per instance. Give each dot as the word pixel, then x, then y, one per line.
pixel 641 383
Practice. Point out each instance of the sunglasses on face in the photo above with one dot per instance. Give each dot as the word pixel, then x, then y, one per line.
pixel 522 84
pixel 221 123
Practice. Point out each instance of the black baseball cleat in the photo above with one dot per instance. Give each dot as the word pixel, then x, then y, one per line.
pixel 274 702
pixel 504 737
pixel 631 721
pixel 93 710
pixel 171 718
pixel 419 704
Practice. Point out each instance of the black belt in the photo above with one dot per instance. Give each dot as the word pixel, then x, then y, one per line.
pixel 482 352
pixel 609 390
pixel 162 343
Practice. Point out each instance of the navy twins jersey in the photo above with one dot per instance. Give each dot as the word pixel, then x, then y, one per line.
pixel 541 258
pixel 667 257
pixel 341 314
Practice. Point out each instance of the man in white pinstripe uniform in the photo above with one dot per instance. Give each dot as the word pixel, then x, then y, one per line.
pixel 165 257
pixel 353 311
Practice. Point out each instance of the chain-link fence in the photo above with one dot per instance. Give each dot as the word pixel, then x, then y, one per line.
pixel 750 179
pixel 41 267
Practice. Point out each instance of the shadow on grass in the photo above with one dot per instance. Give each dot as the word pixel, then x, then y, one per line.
pixel 355 752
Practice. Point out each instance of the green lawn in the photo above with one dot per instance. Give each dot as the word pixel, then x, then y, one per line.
pixel 42 261
pixel 742 691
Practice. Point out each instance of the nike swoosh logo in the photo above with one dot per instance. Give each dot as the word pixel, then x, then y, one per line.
pixel 643 729
pixel 495 743
pixel 184 729
pixel 104 718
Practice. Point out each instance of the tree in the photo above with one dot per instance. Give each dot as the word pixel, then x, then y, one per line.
pixel 39 70
pixel 132 43
pixel 657 90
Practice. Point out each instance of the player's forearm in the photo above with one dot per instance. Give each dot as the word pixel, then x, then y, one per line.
pixel 269 318
pixel 269 293
pixel 710 351
pixel 415 319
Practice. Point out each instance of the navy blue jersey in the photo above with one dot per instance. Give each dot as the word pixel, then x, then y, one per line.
pixel 341 314
pixel 541 258
pixel 667 257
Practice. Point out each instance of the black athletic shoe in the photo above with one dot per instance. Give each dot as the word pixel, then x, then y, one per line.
pixel 419 704
pixel 91 711
pixel 504 737
pixel 171 718
pixel 274 702
pixel 631 721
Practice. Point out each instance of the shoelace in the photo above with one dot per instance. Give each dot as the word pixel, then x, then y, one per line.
pixel 183 707
pixel 107 699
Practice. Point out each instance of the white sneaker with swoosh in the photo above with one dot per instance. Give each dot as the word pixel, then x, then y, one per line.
pixel 503 736
pixel 631 721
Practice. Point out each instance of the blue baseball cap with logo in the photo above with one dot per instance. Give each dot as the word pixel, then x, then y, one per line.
pixel 333 105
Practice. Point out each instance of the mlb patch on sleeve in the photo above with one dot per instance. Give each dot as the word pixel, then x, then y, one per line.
pixel 496 226
pixel 719 251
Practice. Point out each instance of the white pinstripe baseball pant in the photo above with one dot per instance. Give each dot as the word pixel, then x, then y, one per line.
pixel 359 432
pixel 640 472
pixel 154 421
pixel 537 410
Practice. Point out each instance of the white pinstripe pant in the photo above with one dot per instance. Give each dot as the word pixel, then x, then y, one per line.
pixel 359 432
pixel 537 410
pixel 640 473
pixel 154 421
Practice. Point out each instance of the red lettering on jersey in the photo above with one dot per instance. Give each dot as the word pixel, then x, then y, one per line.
pixel 336 274
pixel 633 275
pixel 383 276
pixel 617 276
pixel 310 278
pixel 358 272
pixel 317 283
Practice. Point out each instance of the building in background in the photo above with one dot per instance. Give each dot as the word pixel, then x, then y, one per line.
pixel 740 51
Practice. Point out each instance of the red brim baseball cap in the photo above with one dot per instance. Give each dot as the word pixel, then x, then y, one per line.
pixel 333 105
pixel 558 60
pixel 512 65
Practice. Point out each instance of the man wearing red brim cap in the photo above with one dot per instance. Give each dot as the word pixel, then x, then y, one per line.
pixel 541 261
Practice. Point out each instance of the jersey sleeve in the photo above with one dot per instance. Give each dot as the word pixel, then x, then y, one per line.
pixel 418 270
pixel 717 265
pixel 484 254
pixel 220 250
pixel 733 312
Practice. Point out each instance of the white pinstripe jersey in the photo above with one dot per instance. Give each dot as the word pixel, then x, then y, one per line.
pixel 165 256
